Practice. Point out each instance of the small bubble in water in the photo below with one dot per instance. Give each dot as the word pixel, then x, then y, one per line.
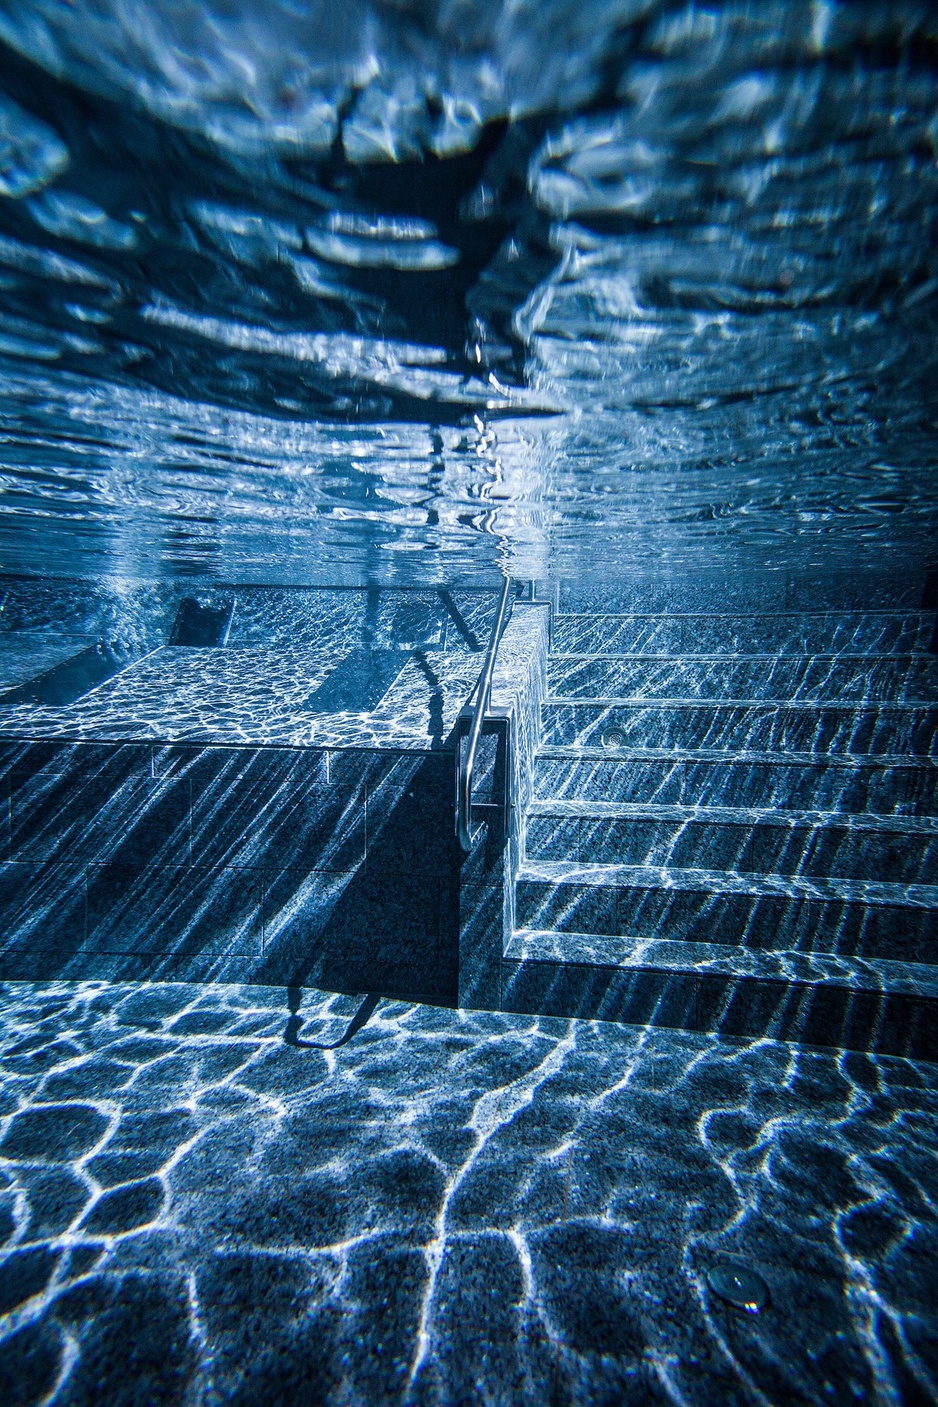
pixel 741 1288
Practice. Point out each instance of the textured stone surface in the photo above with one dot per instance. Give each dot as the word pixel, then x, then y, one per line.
pixel 891 730
pixel 267 864
pixel 778 632
pixel 732 826
pixel 261 688
pixel 806 678
pixel 256 696
pixel 200 1204
pixel 209 813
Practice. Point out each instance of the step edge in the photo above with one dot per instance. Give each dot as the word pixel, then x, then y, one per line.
pixel 683 701
pixel 573 752
pixel 571 808
pixel 699 657
pixel 884 613
pixel 870 892
pixel 540 945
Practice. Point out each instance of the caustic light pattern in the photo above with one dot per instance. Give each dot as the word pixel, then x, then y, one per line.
pixel 215 1195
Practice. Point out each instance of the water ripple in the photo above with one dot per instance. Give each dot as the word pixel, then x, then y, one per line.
pixel 644 285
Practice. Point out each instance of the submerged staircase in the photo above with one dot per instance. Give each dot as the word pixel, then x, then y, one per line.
pixel 733 827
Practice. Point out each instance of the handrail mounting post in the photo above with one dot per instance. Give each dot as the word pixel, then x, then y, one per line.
pixel 483 700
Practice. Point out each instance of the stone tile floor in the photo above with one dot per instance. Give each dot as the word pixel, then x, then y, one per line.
pixel 199 1205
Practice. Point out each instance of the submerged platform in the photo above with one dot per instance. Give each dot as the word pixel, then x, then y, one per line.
pixel 728 819
pixel 239 783
pixel 286 668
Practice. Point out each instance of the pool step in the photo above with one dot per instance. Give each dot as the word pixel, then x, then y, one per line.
pixel 735 726
pixel 809 845
pixel 676 956
pixel 780 633
pixel 857 785
pixel 813 679
pixel 871 918
pixel 851 1003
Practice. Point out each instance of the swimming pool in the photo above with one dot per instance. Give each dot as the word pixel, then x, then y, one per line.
pixel 316 327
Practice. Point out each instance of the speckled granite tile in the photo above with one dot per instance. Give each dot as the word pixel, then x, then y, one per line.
pixel 768 782
pixel 817 845
pixel 24 656
pixel 606 950
pixel 811 678
pixel 766 592
pixel 201 1203
pixel 800 633
pixel 891 729
pixel 569 773
pixel 256 696
pixel 141 614
pixel 888 921
pixel 310 620
pixel 201 862
pixel 833 1014
pixel 137 614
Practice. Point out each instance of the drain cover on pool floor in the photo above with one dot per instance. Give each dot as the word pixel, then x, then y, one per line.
pixel 739 1287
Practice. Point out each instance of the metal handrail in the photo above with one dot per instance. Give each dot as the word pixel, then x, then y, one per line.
pixel 482 691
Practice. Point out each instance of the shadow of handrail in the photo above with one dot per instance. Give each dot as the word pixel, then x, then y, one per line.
pixel 294 1025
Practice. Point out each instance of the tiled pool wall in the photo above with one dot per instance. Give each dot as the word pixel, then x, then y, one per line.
pixel 269 865
pixel 809 996
pixel 141 613
pixel 141 840
pixel 336 867
pixel 723 588
pixel 142 845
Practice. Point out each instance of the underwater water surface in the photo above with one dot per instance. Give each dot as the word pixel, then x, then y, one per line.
pixel 563 289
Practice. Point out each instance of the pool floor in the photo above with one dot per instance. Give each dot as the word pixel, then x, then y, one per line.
pixel 203 1203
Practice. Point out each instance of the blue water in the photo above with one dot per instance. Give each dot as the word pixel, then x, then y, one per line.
pixel 570 289
pixel 390 294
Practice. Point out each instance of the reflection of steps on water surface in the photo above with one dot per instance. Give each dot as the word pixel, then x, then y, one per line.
pixel 732 825
pixel 262 792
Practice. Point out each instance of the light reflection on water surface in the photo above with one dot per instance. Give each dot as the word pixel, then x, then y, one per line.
pixel 623 285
